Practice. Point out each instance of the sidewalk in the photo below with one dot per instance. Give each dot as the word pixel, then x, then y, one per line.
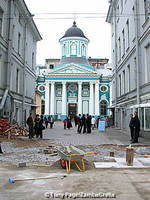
pixel 110 136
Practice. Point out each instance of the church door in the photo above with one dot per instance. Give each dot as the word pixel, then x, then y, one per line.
pixel 72 109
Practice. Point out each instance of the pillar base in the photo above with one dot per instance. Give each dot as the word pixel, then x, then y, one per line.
pixel 62 117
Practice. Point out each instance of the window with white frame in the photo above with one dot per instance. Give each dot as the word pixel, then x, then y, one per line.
pixel 119 49
pixel 128 78
pixel 32 60
pixel 147 8
pixel 103 108
pixel 128 34
pixel 73 49
pixel 147 63
pixel 124 82
pixel 1 20
pixel 121 6
pixel 123 43
pixel 64 49
pixel 117 13
pixel 83 50
pixel 19 42
pixel 17 80
pixel 120 85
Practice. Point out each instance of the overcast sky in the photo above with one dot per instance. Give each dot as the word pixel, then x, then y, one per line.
pixel 51 30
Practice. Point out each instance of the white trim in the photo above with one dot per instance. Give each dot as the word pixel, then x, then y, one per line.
pixel 141 105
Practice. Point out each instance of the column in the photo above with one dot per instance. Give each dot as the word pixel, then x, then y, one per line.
pixel 79 98
pixel 47 98
pixel 91 102
pixel 64 100
pixel 97 99
pixel 52 98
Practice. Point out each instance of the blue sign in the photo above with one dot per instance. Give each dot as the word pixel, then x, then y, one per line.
pixel 101 125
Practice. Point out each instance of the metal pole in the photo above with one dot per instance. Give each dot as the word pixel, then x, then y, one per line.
pixel 137 50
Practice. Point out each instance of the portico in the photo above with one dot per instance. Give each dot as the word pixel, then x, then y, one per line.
pixel 60 96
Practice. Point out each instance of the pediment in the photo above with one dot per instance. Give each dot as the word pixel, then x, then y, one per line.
pixel 73 69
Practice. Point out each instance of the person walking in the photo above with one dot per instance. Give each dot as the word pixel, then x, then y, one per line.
pixel 51 122
pixel 41 127
pixel 30 125
pixel 93 122
pixel 88 123
pixel 69 124
pixel 36 126
pixel 46 122
pixel 79 123
pixel 65 123
pixel 83 123
pixel 131 126
pixel 136 126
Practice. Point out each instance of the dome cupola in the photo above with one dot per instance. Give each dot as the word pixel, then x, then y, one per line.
pixel 74 44
pixel 74 31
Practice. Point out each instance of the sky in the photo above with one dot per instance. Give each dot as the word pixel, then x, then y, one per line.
pixel 54 17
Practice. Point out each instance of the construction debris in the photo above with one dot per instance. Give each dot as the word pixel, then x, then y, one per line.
pixel 7 129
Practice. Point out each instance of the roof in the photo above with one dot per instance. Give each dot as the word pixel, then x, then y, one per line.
pixel 74 31
pixel 77 60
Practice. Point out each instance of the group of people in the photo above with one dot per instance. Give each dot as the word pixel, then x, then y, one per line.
pixel 134 127
pixel 37 126
pixel 84 123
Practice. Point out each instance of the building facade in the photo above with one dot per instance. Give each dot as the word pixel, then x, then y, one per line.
pixel 74 86
pixel 18 39
pixel 130 22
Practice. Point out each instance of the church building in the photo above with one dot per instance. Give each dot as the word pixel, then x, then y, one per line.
pixel 75 87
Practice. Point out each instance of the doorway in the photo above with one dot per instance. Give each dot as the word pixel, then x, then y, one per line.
pixel 72 109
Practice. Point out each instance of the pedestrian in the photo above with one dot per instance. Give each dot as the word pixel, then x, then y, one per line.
pixel 88 123
pixel 69 124
pixel 41 127
pixel 46 121
pixel 93 122
pixel 79 123
pixel 76 120
pixel 131 126
pixel 83 123
pixel 51 122
pixel 36 126
pixel 49 119
pixel 65 123
pixel 30 125
pixel 136 126
pixel 97 121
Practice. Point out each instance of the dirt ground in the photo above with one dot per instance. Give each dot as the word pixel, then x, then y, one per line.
pixel 122 184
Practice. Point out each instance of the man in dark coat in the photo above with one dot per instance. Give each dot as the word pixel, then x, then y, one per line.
pixel 30 125
pixel 136 125
pixel 131 126
pixel 83 123
pixel 41 127
pixel 36 126
pixel 88 123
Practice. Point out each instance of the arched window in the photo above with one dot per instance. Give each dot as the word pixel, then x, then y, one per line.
pixel 83 50
pixel 64 50
pixel 103 107
pixel 73 49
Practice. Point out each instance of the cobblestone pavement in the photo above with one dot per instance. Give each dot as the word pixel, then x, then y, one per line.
pixel 110 136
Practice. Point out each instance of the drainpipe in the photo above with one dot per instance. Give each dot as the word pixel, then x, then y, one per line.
pixel 10 35
pixel 137 50
pixel 9 54
pixel 24 74
pixel 116 60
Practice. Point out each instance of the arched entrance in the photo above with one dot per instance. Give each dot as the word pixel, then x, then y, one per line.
pixel 103 108
pixel 72 109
